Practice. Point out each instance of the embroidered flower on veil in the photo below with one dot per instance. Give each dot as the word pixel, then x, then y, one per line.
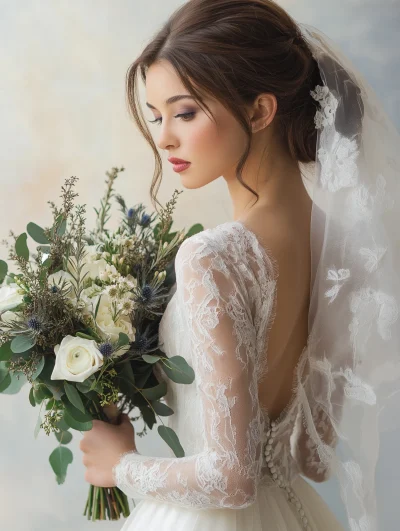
pixel 328 104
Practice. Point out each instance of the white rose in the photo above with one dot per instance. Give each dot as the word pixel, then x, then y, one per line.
pixel 9 297
pixel 76 359
pixel 57 280
pixel 107 326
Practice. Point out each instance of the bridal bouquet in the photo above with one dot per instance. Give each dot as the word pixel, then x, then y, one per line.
pixel 79 321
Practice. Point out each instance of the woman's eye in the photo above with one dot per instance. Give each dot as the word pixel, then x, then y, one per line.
pixel 186 117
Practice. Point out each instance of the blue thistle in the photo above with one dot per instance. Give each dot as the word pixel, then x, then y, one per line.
pixel 142 343
pixel 145 220
pixel 131 213
pixel 106 349
pixel 34 324
pixel 54 289
pixel 147 292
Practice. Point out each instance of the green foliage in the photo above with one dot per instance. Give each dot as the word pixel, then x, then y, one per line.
pixel 162 409
pixel 37 233
pixel 32 398
pixel 75 424
pixel 41 392
pixel 74 418
pixel 21 247
pixel 13 383
pixel 38 369
pixel 171 438
pixel 150 359
pixel 73 396
pixel 6 352
pixel 3 270
pixel 64 437
pixel 178 370
pixel 59 459
pixel 155 393
pixel 194 229
pixel 5 377
pixel 22 343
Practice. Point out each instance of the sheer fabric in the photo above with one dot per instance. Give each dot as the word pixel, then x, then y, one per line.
pixel 352 370
pixel 215 290
pixel 219 318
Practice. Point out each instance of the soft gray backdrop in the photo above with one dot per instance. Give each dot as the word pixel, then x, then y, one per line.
pixel 63 113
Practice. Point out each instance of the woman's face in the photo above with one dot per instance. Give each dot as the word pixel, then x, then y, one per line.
pixel 186 132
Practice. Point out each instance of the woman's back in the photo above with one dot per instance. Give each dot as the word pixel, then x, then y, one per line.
pixel 284 230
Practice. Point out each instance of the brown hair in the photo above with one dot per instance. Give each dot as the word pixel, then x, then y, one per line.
pixel 251 47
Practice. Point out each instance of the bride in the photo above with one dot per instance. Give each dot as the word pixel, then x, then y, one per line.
pixel 281 312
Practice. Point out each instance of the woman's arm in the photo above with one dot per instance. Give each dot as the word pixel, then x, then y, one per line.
pixel 222 337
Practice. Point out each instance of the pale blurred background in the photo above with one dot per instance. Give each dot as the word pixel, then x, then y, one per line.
pixel 63 113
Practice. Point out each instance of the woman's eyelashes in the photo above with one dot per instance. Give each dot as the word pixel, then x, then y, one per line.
pixel 186 117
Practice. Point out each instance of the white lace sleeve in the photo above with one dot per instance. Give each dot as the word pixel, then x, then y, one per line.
pixel 223 338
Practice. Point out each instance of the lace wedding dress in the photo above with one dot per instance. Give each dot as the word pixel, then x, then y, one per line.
pixel 240 471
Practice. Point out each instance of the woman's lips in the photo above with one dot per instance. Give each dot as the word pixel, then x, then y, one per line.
pixel 181 166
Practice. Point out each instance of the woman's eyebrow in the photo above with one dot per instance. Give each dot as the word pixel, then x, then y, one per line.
pixel 172 99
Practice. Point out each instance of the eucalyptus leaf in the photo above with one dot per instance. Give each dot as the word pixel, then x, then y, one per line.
pixel 155 393
pixel 73 396
pixel 149 417
pixel 39 368
pixel 62 228
pixel 4 370
pixel 178 370
pixel 162 409
pixel 59 459
pixel 194 229
pixel 18 380
pixel 50 404
pixel 41 392
pixel 62 425
pixel 74 412
pixel 32 398
pixel 64 437
pixel 5 383
pixel 36 233
pixel 171 438
pixel 22 344
pixel 150 359
pixel 21 247
pixel 76 425
pixel 127 372
pixel 123 339
pixel 3 270
pixel 84 387
pixel 6 352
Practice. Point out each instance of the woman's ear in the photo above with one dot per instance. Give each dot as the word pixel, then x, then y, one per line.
pixel 263 111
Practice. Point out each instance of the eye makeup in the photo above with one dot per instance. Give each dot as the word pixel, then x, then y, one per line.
pixel 185 117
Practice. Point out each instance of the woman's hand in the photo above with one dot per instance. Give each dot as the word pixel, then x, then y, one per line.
pixel 102 447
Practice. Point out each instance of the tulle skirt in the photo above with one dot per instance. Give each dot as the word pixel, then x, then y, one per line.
pixel 272 511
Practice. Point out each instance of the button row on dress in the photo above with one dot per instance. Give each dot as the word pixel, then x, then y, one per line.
pixel 291 496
